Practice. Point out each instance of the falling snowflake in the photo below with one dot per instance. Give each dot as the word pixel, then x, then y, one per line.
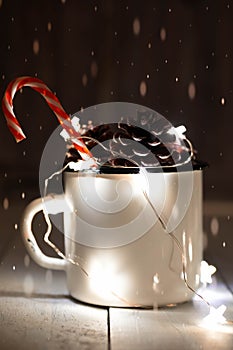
pixel 192 90
pixel 136 26
pixel 36 47
pixel 143 88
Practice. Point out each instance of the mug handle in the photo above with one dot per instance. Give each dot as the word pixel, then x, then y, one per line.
pixel 53 206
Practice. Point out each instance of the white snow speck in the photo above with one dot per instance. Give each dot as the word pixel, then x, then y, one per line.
pixel 163 34
pixel 191 90
pixel 94 69
pixel 143 88
pixel 222 101
pixel 28 284
pixel 214 226
pixel 36 47
pixel 26 260
pixel 5 203
pixel 49 26
pixel 136 26
pixel 84 80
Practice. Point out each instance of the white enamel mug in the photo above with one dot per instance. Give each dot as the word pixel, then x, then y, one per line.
pixel 117 251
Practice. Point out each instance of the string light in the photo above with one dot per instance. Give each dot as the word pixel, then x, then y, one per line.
pixel 215 316
pixel 206 272
pixel 93 275
pixel 75 123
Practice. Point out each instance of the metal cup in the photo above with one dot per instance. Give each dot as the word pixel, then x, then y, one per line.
pixel 119 251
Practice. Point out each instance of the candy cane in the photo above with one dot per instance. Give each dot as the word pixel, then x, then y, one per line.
pixel 53 102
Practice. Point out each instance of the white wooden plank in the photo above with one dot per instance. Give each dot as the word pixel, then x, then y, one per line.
pixel 37 313
pixel 40 323
pixel 179 327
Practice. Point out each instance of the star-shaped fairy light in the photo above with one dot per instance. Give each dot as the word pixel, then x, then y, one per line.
pixel 181 129
pixel 76 125
pixel 81 164
pixel 206 272
pixel 215 316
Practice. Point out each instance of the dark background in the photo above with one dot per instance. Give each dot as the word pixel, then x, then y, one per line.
pixel 91 52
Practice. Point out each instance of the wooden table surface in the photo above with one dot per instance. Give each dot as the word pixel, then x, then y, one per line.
pixel 36 311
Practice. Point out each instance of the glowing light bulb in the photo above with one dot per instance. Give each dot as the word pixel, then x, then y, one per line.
pixel 181 131
pixel 65 135
pixel 75 123
pixel 206 272
pixel 106 282
pixel 215 316
pixel 82 164
pixel 156 278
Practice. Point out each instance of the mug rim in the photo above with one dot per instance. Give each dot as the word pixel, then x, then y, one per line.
pixel 106 169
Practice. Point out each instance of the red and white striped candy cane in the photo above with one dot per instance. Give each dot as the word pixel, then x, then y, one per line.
pixel 53 102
